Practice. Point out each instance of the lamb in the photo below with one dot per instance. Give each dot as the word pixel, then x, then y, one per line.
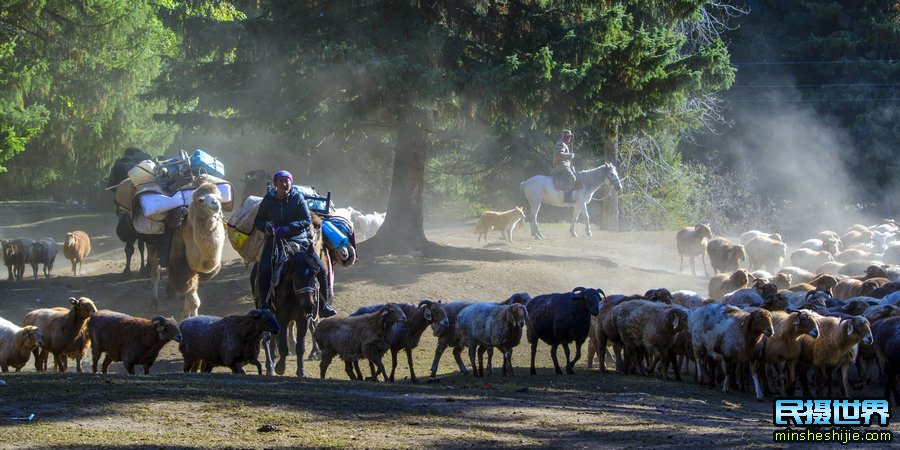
pixel 63 331
pixel 76 248
pixel 558 319
pixel 131 340
pixel 798 275
pixel 17 343
pixel 483 326
pixel 810 259
pixel 764 252
pixel 725 256
pixel 837 344
pixel 649 328
pixel 727 334
pixel 232 341
pixel 17 253
pixel 887 349
pixel 691 242
pixel 43 252
pixel 447 336
pixel 750 235
pixel 354 338
pixel 405 335
pixel 723 283
pixel 784 345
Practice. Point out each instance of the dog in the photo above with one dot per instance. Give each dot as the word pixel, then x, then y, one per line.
pixel 505 222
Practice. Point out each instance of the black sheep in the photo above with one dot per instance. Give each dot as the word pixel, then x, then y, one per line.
pixel 558 319
pixel 887 348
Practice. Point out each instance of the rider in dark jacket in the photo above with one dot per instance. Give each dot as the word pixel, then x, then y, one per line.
pixel 283 214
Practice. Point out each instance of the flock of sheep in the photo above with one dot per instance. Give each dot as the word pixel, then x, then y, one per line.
pixel 19 252
pixel 836 307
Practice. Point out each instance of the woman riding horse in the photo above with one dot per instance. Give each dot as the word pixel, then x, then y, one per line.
pixel 284 214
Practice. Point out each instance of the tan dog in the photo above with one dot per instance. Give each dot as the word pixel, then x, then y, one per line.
pixel 504 221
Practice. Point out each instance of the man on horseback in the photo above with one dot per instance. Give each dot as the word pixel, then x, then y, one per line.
pixel 563 171
pixel 284 214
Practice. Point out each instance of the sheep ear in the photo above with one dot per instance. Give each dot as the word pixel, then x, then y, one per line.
pixel 797 320
pixel 72 300
pixel 427 314
pixel 675 322
pixel 849 328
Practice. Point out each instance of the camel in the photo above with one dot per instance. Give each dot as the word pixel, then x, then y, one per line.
pixel 196 249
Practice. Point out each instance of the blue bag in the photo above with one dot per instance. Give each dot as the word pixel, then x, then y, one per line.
pixel 206 163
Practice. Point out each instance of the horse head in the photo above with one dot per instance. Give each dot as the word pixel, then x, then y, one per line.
pixel 612 175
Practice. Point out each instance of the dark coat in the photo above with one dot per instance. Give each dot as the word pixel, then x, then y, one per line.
pixel 291 212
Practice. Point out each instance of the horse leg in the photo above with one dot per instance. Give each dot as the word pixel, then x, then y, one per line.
pixel 302 327
pixel 268 348
pixel 144 268
pixel 587 220
pixel 575 213
pixel 129 252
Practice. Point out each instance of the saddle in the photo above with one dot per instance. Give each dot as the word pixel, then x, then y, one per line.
pixel 289 254
pixel 562 183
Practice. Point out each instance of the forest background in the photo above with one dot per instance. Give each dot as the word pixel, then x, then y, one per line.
pixel 746 114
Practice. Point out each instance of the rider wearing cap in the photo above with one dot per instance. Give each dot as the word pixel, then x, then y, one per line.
pixel 284 214
pixel 563 171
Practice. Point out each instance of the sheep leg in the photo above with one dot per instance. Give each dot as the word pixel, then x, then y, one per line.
pixel 592 348
pixel 754 374
pixel 267 345
pixel 571 362
pixel 617 350
pixel 77 362
pixel 480 368
pixel 845 379
pixel 372 370
pixel 359 375
pixel 729 375
pixel 472 349
pixel 324 363
pixel 438 351
pixel 457 355
pixel 348 367
pixel 106 362
pixel 863 370
pixel 394 363
pixel 555 360
pixel 147 368
pixel 788 388
pixel 703 260
pixel 490 360
pixel 188 365
pixel 601 352
pixel 533 353
pixel 380 368
pixel 412 372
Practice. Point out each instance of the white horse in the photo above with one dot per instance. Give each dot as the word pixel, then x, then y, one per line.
pixel 539 189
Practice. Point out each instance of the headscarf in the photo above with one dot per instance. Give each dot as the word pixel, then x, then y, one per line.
pixel 282 174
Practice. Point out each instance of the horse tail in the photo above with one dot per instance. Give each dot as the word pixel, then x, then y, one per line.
pixel 526 205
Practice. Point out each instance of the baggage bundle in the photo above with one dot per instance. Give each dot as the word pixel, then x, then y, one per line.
pixel 154 188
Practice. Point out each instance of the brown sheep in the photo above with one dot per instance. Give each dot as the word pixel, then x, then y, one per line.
pixel 781 280
pixel 723 283
pixel 64 333
pixel 854 254
pixel 131 340
pixel 851 287
pixel 231 341
pixel 648 329
pixel 830 267
pixel 837 345
pixel 604 331
pixel 17 343
pixel 724 256
pixel 822 282
pixel 76 248
pixel 691 242
pixel 17 253
pixel 857 268
pixel 357 337
pixel 784 346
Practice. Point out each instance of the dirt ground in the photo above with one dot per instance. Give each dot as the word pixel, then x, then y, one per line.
pixel 171 409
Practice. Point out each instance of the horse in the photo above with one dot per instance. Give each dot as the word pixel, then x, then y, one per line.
pixel 539 189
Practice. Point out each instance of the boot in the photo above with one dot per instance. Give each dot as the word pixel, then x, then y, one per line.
pixel 325 309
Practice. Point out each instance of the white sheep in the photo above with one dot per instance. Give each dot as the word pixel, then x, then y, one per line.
pixel 764 252
pixel 810 259
pixel 828 245
pixel 17 343
pixel 748 236
pixel 727 335
pixel 798 275
pixel 484 326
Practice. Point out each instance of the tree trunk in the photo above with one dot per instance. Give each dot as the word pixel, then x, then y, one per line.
pixel 611 202
pixel 404 225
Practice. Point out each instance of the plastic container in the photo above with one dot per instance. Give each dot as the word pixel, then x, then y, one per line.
pixel 334 239
pixel 202 161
